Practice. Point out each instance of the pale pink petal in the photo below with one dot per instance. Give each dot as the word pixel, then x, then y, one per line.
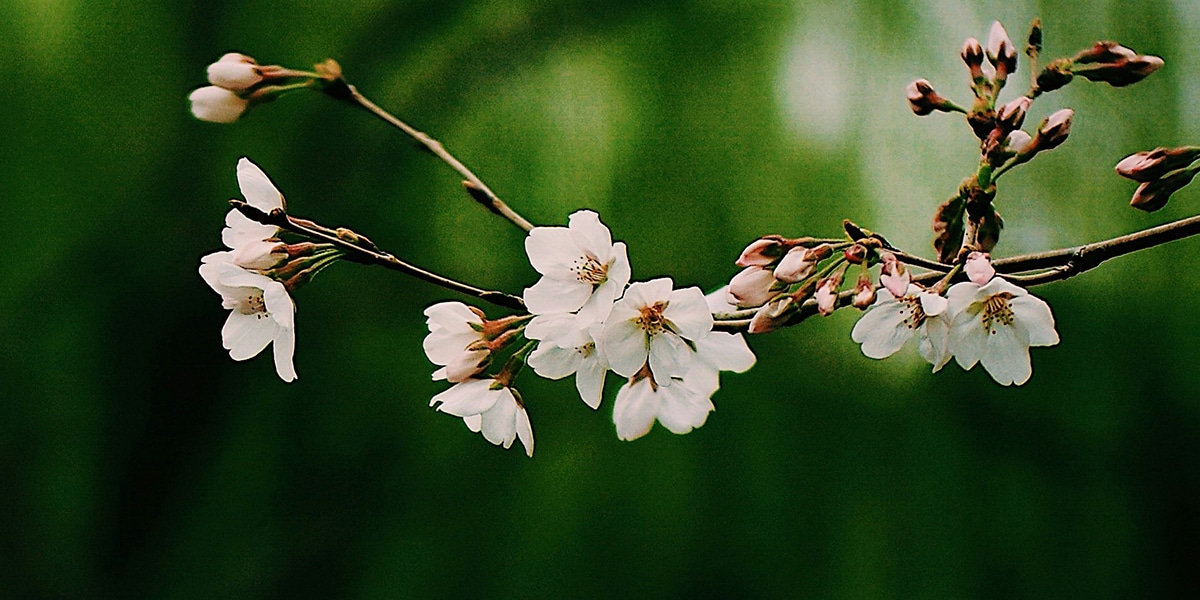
pixel 625 346
pixel 1006 357
pixel 1034 315
pixel 244 336
pixel 688 313
pixel 634 410
pixel 669 357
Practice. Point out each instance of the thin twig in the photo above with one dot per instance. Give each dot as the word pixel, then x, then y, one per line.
pixel 473 184
pixel 362 250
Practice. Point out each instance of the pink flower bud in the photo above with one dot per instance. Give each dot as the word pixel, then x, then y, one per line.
pixel 1017 141
pixel 1012 115
pixel 761 252
pixel 979 268
pixel 234 72
pixel 1000 50
pixel 972 54
pixel 795 266
pixel 1054 130
pixel 771 316
pixel 893 275
pixel 864 292
pixel 1148 166
pixel 827 294
pixel 922 99
pixel 1153 195
pixel 751 287
pixel 217 105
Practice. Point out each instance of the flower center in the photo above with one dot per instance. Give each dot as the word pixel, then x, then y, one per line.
pixel 651 320
pixel 587 349
pixel 997 311
pixel 250 303
pixel 910 307
pixel 589 270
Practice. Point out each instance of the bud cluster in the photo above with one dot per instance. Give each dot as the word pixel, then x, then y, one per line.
pixel 238 82
pixel 1161 172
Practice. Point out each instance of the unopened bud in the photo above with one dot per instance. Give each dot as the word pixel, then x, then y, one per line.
pixel 1012 115
pixel 761 252
pixel 864 292
pixel 922 98
pixel 1104 52
pixel 800 262
pixel 893 275
pixel 1000 51
pixel 1054 130
pixel 827 294
pixel 972 56
pixel 235 72
pixel 978 268
pixel 217 104
pixel 1153 195
pixel 771 316
pixel 1017 141
pixel 751 287
pixel 1034 42
pixel 855 254
pixel 1148 166
pixel 1123 72
pixel 1056 75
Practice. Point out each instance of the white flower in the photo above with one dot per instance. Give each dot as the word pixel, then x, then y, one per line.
pixel 491 408
pixel 217 104
pixel 678 407
pixel 253 243
pixel 234 72
pixel 582 269
pixel 650 324
pixel 569 348
pixel 892 321
pixel 685 404
pixel 262 312
pixel 455 341
pixel 995 324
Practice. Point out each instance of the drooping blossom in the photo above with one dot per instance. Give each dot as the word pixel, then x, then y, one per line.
pixel 261 312
pixel 455 341
pixel 650 324
pixel 567 348
pixel 893 275
pixel 582 269
pixel 491 408
pixel 893 320
pixel 995 325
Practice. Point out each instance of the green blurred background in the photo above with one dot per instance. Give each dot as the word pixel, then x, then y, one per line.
pixel 138 460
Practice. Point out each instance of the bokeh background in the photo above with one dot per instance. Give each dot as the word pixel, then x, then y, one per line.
pixel 138 460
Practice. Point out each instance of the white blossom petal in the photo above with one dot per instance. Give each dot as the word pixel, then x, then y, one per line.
pixel 682 410
pixel 590 235
pixel 470 397
pixel 669 357
pixel 241 230
pixel 1006 356
pixel 550 295
pixel 881 330
pixel 688 313
pixel 1034 314
pixel 284 346
pixel 553 362
pixel 525 431
pixel 626 346
pixel 634 409
pixel 500 421
pixel 552 251
pixel 725 351
pixel 589 381
pixel 257 188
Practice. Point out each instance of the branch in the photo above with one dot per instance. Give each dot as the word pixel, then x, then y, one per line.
pixel 1055 265
pixel 473 184
pixel 362 250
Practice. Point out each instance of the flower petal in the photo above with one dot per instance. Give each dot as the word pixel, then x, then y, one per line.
pixel 453 317
pixel 934 342
pixel 648 293
pixel 553 362
pixel 968 338
pixel 634 409
pixel 1034 314
pixel 284 346
pixel 555 296
pixel 525 431
pixel 471 397
pixel 590 235
pixel 552 251
pixel 882 330
pixel 500 421
pixel 589 381
pixel 257 188
pixel 244 336
pixel 682 410
pixel 669 357
pixel 688 313
pixel 725 351
pixel 1006 356
pixel 240 230
pixel 625 346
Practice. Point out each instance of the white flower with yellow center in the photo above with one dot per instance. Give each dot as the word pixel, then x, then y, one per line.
pixel 582 269
pixel 566 347
pixel 995 324
pixel 491 408
pixel 261 312
pixel 892 321
pixel 652 325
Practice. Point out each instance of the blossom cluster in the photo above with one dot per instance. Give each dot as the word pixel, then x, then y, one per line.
pixel 585 319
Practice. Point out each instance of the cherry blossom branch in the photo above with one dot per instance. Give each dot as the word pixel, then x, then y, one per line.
pixel 474 186
pixel 1055 265
pixel 362 250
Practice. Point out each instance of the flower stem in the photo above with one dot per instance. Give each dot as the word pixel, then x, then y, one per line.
pixel 474 186
pixel 362 250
